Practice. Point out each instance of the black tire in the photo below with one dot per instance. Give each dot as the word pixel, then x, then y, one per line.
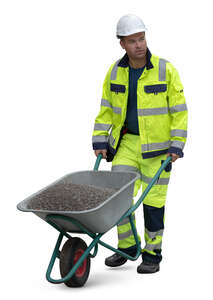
pixel 70 253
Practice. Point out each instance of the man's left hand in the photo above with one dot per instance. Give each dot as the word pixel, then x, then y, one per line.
pixel 174 156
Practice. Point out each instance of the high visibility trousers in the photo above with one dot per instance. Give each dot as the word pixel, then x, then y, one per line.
pixel 129 158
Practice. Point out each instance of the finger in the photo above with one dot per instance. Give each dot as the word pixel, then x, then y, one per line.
pixel 175 157
pixel 103 154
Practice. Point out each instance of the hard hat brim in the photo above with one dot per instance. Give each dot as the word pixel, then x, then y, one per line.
pixel 131 32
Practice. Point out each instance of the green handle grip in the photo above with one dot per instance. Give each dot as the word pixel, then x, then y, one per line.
pixel 97 163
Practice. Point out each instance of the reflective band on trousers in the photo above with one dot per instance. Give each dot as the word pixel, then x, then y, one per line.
pixel 125 168
pixel 162 69
pixel 116 110
pixel 99 139
pixel 151 247
pixel 126 221
pixel 114 71
pixel 155 146
pixel 152 235
pixel 177 108
pixel 125 235
pixel 178 144
pixel 160 181
pixel 179 132
pixel 153 111
pixel 102 127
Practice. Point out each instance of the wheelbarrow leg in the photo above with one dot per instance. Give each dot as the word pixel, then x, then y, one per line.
pixel 54 255
pixel 76 266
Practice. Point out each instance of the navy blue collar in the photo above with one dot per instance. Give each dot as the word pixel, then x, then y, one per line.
pixel 124 62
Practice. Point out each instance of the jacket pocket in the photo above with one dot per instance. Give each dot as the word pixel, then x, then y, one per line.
pixel 155 89
pixel 117 88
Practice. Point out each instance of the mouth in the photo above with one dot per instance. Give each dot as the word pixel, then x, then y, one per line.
pixel 139 51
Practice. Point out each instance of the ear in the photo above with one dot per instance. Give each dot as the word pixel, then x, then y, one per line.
pixel 122 43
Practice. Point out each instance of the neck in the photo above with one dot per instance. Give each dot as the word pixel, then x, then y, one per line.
pixel 137 63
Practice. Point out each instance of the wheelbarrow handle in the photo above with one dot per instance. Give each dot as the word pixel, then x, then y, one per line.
pixel 97 163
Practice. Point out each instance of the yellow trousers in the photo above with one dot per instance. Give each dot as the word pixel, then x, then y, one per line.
pixel 129 158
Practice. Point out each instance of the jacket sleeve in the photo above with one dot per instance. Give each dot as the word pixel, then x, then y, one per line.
pixel 178 112
pixel 103 121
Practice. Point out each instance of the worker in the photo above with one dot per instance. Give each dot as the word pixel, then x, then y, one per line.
pixel 142 120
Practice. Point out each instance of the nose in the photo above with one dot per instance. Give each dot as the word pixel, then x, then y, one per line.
pixel 138 44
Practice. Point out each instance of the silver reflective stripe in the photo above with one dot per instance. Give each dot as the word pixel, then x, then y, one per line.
pixel 106 103
pixel 151 247
pixel 155 146
pixel 111 140
pixel 99 139
pixel 162 69
pixel 114 70
pixel 177 108
pixel 179 132
pixel 125 235
pixel 124 168
pixel 178 144
pixel 102 126
pixel 152 235
pixel 126 221
pixel 117 110
pixel 160 181
pixel 153 111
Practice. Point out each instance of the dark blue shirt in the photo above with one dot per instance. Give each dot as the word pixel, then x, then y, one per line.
pixel 131 121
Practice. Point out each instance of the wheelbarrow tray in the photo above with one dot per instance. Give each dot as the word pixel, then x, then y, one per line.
pixel 101 218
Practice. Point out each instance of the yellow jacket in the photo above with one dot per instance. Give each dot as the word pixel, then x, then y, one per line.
pixel 161 107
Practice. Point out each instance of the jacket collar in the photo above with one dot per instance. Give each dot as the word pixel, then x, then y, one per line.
pixel 124 62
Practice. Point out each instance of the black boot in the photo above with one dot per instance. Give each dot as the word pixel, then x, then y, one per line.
pixel 148 268
pixel 115 260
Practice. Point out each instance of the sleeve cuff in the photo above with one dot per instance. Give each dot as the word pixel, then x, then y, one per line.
pixel 176 150
pixel 100 146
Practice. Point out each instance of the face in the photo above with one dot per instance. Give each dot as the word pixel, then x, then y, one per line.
pixel 135 45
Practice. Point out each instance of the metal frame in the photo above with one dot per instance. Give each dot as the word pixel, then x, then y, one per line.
pixel 96 237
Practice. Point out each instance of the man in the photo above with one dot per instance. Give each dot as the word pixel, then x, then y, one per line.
pixel 144 106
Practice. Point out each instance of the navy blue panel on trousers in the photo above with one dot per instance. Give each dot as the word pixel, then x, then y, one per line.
pixel 154 259
pixel 153 217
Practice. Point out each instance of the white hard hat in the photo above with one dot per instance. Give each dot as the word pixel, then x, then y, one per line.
pixel 130 24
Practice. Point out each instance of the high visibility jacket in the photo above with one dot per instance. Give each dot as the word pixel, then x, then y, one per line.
pixel 161 108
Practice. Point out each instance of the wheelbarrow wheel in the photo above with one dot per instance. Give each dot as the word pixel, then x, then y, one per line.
pixel 70 254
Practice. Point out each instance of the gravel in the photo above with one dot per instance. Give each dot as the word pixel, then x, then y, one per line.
pixel 70 197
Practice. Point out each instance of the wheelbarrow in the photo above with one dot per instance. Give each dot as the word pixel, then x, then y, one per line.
pixel 75 255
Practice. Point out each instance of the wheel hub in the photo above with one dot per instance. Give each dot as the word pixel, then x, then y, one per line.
pixel 81 270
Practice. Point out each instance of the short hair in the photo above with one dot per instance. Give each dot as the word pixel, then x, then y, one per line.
pixel 120 37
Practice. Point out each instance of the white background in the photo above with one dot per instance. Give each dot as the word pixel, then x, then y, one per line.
pixel 53 59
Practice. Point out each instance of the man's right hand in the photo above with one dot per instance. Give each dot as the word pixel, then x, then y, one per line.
pixel 102 151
